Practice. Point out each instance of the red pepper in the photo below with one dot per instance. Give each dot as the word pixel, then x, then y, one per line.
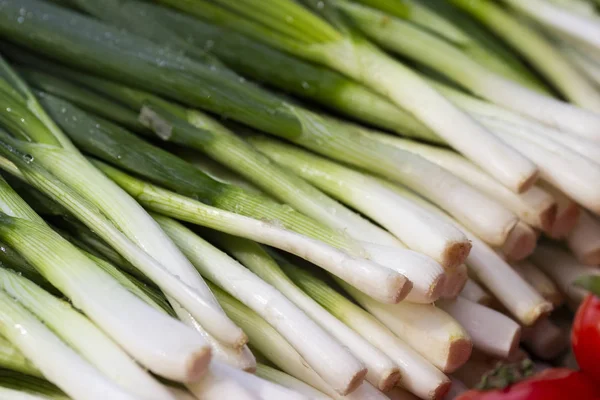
pixel 550 384
pixel 586 330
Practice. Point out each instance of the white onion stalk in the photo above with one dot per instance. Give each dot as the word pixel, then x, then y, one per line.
pixel 580 56
pixel 376 280
pixel 580 145
pixel 412 225
pixel 564 269
pixel 234 152
pixel 404 220
pixel 121 314
pixel 215 385
pixel 260 388
pixel 584 239
pixel 534 206
pixel 520 242
pixel 408 40
pixel 491 115
pixel 456 280
pixel 355 57
pixel 475 293
pixel 129 218
pixel 58 363
pixel 540 281
pixel 560 19
pixel 13 360
pixel 567 213
pixel 240 358
pixel 275 348
pixel 283 379
pixel 536 49
pixel 427 276
pixel 13 394
pixel 491 332
pixel 526 304
pixel 546 340
pixel 447 345
pixel 332 361
pixel 83 336
pixel 560 166
pixel 382 372
pixel 418 375
pixel 95 220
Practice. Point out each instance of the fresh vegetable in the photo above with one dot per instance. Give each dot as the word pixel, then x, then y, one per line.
pixel 586 329
pixel 550 384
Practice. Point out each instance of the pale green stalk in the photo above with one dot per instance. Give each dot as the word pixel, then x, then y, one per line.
pixel 406 39
pixel 378 281
pixel 523 301
pixel 332 45
pixel 536 49
pixel 119 312
pixel 418 375
pixel 81 334
pixel 334 364
pixel 58 363
pixel 12 359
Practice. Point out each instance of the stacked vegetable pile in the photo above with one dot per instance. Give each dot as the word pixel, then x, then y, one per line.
pixel 298 199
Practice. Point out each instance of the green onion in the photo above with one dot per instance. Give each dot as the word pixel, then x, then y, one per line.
pixel 540 282
pixel 382 372
pixel 12 359
pixel 560 20
pixel 359 191
pixel 83 336
pixel 493 332
pixel 365 153
pixel 148 294
pixel 43 141
pixel 567 212
pixel 584 239
pixel 103 299
pixel 536 49
pixel 277 350
pixel 334 364
pixel 256 61
pixel 564 269
pixel 58 363
pixel 225 381
pixel 21 384
pixel 418 375
pixel 378 281
pixel 465 34
pixel 125 150
pixel 283 379
pixel 406 39
pixel 562 166
pixel 447 346
pixel 332 45
pixel 211 137
pixel 535 206
pixel 474 292
pixel 526 304
pixel 180 85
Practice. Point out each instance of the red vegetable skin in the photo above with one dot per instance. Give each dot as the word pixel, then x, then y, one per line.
pixel 551 384
pixel 586 337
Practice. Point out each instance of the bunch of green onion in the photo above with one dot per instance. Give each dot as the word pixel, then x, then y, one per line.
pixel 291 199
